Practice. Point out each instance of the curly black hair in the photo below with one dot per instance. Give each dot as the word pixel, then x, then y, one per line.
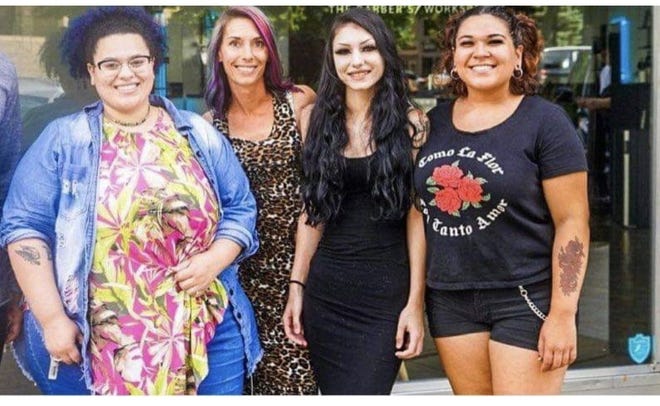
pixel 391 166
pixel 79 41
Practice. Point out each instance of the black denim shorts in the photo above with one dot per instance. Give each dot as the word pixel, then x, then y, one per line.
pixel 503 312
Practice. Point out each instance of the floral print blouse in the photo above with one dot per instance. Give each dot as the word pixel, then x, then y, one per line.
pixel 155 208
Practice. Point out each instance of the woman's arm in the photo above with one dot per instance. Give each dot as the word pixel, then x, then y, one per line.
pixel 411 319
pixel 566 197
pixel 236 235
pixel 28 232
pixel 306 97
pixel 418 129
pixel 307 240
pixel 305 115
pixel 195 274
pixel 239 207
pixel 33 265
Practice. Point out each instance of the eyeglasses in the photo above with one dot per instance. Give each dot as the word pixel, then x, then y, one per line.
pixel 137 64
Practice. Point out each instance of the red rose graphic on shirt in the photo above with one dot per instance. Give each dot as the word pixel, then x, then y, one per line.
pixel 447 200
pixel 447 176
pixel 453 191
pixel 470 190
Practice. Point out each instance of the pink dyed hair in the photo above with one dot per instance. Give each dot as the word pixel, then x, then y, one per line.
pixel 217 94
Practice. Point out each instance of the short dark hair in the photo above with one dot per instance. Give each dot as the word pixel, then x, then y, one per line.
pixel 79 41
pixel 523 32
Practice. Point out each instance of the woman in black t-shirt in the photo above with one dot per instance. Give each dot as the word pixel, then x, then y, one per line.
pixel 503 187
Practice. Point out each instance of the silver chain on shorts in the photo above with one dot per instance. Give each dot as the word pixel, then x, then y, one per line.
pixel 532 306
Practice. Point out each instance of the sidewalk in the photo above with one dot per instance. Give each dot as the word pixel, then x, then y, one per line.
pixel 12 382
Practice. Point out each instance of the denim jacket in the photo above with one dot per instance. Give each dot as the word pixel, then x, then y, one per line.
pixel 53 197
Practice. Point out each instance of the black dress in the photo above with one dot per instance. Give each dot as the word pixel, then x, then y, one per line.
pixel 358 284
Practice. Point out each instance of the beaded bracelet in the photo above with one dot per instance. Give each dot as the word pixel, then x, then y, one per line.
pixel 297 283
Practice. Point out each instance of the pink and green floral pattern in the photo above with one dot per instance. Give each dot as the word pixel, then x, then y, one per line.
pixel 155 208
pixel 454 191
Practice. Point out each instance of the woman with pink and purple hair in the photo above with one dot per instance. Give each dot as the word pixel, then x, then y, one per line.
pixel 259 111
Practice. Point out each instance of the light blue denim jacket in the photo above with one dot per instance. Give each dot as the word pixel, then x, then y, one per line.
pixel 53 194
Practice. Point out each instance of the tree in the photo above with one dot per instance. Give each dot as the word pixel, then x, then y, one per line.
pixel 560 25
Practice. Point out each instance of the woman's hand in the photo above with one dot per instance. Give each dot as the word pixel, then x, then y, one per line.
pixel 292 318
pixel 195 274
pixel 410 332
pixel 61 337
pixel 558 341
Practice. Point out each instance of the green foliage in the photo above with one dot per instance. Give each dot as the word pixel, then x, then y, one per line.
pixel 560 25
pixel 403 27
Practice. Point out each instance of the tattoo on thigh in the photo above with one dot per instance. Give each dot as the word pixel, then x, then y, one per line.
pixel 29 254
pixel 571 260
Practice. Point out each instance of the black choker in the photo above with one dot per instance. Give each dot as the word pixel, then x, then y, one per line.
pixel 129 124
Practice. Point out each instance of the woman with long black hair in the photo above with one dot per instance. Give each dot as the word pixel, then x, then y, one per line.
pixel 357 282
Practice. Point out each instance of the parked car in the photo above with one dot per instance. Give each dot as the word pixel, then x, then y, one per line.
pixel 566 73
pixel 558 62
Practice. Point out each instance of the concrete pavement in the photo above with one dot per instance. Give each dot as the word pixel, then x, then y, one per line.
pixel 12 382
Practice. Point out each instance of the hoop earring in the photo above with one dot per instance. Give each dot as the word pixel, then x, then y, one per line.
pixel 453 74
pixel 517 72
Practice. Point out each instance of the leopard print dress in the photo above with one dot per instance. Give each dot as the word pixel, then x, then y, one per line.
pixel 273 167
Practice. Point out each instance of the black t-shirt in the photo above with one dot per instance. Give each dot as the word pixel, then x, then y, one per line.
pixel 486 220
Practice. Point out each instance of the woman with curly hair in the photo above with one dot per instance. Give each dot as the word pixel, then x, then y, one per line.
pixel 259 112
pixel 357 283
pixel 503 186
pixel 125 224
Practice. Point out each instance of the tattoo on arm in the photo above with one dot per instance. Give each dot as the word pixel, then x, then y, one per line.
pixel 571 259
pixel 48 253
pixel 420 128
pixel 29 254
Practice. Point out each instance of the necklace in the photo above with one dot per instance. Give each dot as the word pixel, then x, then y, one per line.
pixel 130 124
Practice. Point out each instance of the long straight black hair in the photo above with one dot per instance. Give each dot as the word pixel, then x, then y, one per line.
pixel 391 166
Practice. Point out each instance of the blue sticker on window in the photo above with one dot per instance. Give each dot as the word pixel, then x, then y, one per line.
pixel 639 347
